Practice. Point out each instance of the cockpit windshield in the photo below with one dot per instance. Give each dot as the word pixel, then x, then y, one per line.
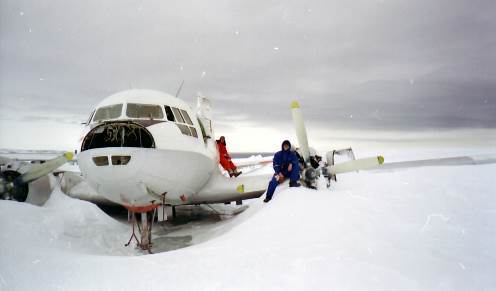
pixel 144 111
pixel 108 112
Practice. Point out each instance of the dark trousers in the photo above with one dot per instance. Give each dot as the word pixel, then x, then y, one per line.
pixel 294 176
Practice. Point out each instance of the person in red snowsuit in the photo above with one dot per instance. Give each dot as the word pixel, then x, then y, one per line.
pixel 225 158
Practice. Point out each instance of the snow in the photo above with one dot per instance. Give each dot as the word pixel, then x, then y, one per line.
pixel 431 228
pixel 62 225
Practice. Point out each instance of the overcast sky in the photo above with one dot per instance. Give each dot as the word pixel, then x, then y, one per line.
pixel 355 66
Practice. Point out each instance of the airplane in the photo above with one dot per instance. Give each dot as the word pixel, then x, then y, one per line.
pixel 144 149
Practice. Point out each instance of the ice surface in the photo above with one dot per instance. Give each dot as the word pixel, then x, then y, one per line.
pixel 412 229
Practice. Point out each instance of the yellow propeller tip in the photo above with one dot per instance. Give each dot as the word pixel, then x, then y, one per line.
pixel 380 159
pixel 69 156
pixel 295 105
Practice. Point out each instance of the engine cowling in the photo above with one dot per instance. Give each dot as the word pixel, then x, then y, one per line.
pixel 10 190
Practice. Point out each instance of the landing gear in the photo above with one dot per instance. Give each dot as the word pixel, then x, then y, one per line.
pixel 144 242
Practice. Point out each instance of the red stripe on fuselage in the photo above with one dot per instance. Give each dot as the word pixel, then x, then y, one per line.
pixel 141 209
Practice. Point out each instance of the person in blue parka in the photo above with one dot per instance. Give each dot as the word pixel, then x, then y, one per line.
pixel 285 165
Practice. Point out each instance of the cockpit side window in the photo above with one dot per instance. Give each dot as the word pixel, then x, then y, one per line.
pixel 177 114
pixel 144 111
pixel 108 112
pixel 168 112
pixel 193 132
pixel 182 120
pixel 186 117
pixel 184 129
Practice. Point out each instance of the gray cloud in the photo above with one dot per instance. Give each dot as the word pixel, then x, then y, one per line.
pixel 353 64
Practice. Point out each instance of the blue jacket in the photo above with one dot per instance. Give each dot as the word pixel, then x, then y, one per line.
pixel 283 158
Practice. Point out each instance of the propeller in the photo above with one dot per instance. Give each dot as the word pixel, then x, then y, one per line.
pixel 14 186
pixel 312 170
pixel 301 132
pixel 39 170
pixel 355 165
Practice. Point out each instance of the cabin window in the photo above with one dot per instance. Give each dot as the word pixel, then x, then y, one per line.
pixel 168 112
pixel 101 161
pixel 186 117
pixel 108 112
pixel 120 160
pixel 177 114
pixel 144 111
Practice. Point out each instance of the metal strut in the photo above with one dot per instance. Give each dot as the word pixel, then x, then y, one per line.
pixel 133 234
pixel 145 231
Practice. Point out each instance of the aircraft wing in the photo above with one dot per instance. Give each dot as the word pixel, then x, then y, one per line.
pixel 257 160
pixel 28 155
pixel 221 189
pixel 21 160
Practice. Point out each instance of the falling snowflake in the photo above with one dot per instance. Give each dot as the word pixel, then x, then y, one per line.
pixel 236 32
pixel 21 13
pixel 276 48
pixel 203 74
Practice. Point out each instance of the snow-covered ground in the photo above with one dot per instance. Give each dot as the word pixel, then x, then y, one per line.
pixel 411 229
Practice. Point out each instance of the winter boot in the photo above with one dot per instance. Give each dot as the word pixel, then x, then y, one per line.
pixel 294 184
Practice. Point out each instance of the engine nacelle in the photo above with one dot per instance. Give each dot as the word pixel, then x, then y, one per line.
pixel 9 189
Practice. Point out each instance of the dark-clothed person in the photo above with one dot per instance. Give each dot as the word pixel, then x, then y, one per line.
pixel 285 165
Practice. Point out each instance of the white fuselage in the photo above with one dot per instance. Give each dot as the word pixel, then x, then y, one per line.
pixel 138 154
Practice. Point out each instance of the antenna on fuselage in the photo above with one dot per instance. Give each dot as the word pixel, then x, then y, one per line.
pixel 179 89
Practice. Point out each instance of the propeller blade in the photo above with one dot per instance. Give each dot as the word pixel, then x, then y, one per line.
pixel 301 132
pixel 355 165
pixel 40 170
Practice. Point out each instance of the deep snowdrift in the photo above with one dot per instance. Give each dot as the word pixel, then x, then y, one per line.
pixel 417 229
pixel 63 224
